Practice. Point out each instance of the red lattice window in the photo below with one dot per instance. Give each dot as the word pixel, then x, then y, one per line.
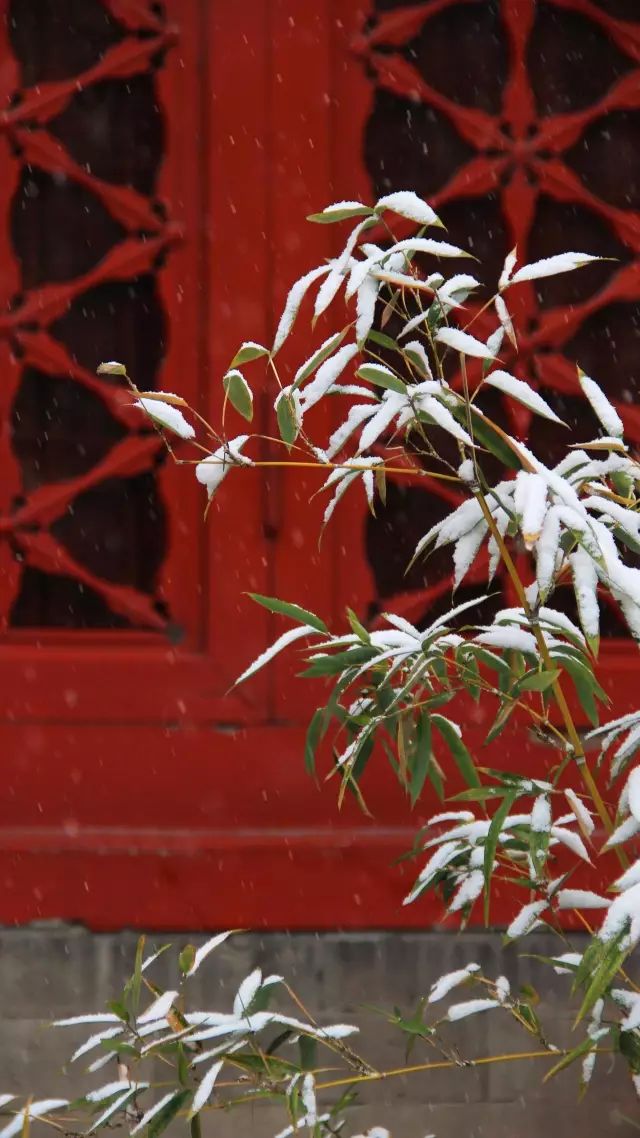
pixel 517 120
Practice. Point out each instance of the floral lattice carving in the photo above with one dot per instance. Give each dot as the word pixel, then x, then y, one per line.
pixel 518 120
pixel 82 520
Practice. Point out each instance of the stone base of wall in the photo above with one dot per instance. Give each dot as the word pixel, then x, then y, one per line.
pixel 54 971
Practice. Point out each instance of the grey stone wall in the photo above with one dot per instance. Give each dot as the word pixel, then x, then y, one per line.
pixel 55 971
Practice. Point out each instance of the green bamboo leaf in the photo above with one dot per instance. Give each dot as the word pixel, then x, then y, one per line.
pixel 302 616
pixel 491 845
pixel 247 352
pixel 566 1061
pixel 421 760
pixel 382 377
pixel 537 681
pixel 459 752
pixel 239 393
pixel 319 357
pixel 383 340
pixel 287 417
pixel 315 732
pixel 331 216
pixel 159 1123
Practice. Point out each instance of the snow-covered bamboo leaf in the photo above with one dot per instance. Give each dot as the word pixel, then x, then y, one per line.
pixel 407 204
pixel 326 375
pixel 464 343
pixel 158 1116
pixel 366 298
pixel 292 305
pixel 205 1089
pixel 470 1008
pixel 340 211
pixel 552 266
pixel 212 469
pixel 19 1123
pixel 585 584
pixel 247 352
pixel 581 899
pixel 166 415
pixel 526 919
pixel 451 980
pixel 283 641
pixel 520 391
pixel 204 950
pixel 239 393
pixel 530 501
pixel 601 406
pixel 319 356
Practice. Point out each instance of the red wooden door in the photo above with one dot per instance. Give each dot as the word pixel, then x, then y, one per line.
pixel 159 161
pixel 121 614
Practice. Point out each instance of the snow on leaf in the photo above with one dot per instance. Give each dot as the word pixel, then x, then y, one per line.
pixel 282 642
pixel 247 992
pixel 507 269
pixel 463 342
pixel 623 910
pixel 164 415
pixel 494 341
pixel 95 1041
pixel 412 245
pixel 445 853
pixel 466 551
pixel 633 787
pixel 547 548
pixel 340 211
pixel 365 308
pixel 583 816
pixel 98 1017
pixel 470 1008
pixel 212 469
pixel 503 989
pixel 468 892
pixel 308 1097
pixel 508 638
pixel 153 1110
pixel 159 1008
pixel 390 406
pixel 203 1092
pixel 407 204
pixel 443 418
pixel 572 841
pixel 541 815
pixel 522 393
pixel 572 958
pixel 530 500
pixel 451 980
pixel 292 304
pixel 580 899
pixel 601 406
pixel 551 266
pixel 526 919
pixel 357 415
pixel 627 830
pixel 585 583
pixel 418 358
pixel 506 323
pixel 206 948
pixel 33 1110
pixel 327 374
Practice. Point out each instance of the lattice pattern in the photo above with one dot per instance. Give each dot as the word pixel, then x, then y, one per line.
pixel 81 518
pixel 519 120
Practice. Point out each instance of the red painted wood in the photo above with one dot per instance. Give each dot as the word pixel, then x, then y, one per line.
pixel 139 791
